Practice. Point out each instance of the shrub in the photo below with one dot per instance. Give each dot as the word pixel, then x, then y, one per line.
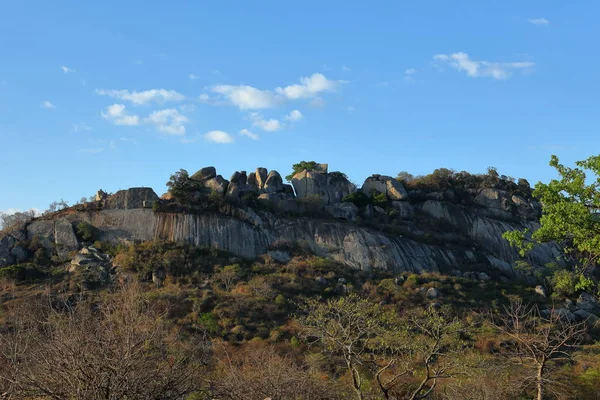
pixel 563 282
pixel 358 198
pixel 86 232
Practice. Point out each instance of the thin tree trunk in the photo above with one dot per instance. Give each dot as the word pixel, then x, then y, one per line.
pixel 540 381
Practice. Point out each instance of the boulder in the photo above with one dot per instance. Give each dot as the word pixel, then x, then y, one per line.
pixel 131 198
pixel 497 202
pixel 393 189
pixel 239 177
pixel 261 177
pixel 6 244
pixel 563 314
pixel 20 254
pixel 273 182
pixel 65 238
pixel 379 210
pixel 539 289
pixel 435 196
pixel 91 268
pixel 587 302
pixel 344 211
pixel 280 256
pixel 405 209
pixel 525 209
pixel 252 179
pixel 237 190
pixel 583 315
pixel 204 174
pixel 432 293
pixel 330 188
pixel 217 184
pixel 483 276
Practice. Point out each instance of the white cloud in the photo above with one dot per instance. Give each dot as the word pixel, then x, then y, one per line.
pixel 308 87
pixel 248 97
pixel 219 137
pixel 46 104
pixel 538 21
pixel 193 77
pixel 168 121
pixel 269 125
pixel 350 109
pixel 116 114
pixel 496 70
pixel 410 71
pixel 247 133
pixel 294 116
pixel 138 98
pixel 67 70
pixel 81 127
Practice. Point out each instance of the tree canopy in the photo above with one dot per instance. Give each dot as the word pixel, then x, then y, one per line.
pixel 570 214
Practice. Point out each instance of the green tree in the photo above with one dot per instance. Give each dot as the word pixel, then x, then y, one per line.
pixel 302 166
pixel 570 214
pixel 181 186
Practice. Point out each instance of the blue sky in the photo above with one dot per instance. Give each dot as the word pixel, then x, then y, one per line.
pixel 118 94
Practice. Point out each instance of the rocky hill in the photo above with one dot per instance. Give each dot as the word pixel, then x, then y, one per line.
pixel 384 224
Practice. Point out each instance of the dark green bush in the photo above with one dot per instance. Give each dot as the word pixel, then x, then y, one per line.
pixel 86 232
pixel 358 198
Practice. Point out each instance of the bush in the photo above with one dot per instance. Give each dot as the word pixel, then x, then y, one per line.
pixel 86 232
pixel 563 282
pixel 358 198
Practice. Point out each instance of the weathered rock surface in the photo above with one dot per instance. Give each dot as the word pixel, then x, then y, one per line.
pixel 204 174
pixel 405 209
pixel 217 184
pixel 345 211
pixel 91 267
pixel 329 187
pixel 130 198
pixel 65 238
pixel 393 189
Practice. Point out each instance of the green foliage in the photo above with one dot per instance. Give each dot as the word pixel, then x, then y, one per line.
pixel 358 198
pixel 570 213
pixel 280 300
pixel 208 322
pixel 86 231
pixel 563 282
pixel 301 166
pixel 182 187
pixel 379 199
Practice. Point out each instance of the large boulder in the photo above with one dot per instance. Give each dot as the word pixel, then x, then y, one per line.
pixel 273 183
pixel 91 268
pixel 6 244
pixel 329 187
pixel 204 174
pixel 237 190
pixel 261 177
pixel 405 209
pixel 217 184
pixel 239 177
pixel 496 203
pixel 131 198
pixel 65 238
pixel 393 189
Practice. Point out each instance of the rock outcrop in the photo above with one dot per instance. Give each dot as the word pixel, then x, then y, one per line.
pixel 393 189
pixel 330 188
pixel 431 231
pixel 131 198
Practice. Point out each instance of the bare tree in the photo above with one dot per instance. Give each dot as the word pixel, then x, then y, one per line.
pixel 260 373
pixel 8 221
pixel 539 342
pixel 119 347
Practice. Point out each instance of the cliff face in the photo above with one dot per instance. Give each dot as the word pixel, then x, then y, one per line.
pixel 250 235
pixel 427 231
